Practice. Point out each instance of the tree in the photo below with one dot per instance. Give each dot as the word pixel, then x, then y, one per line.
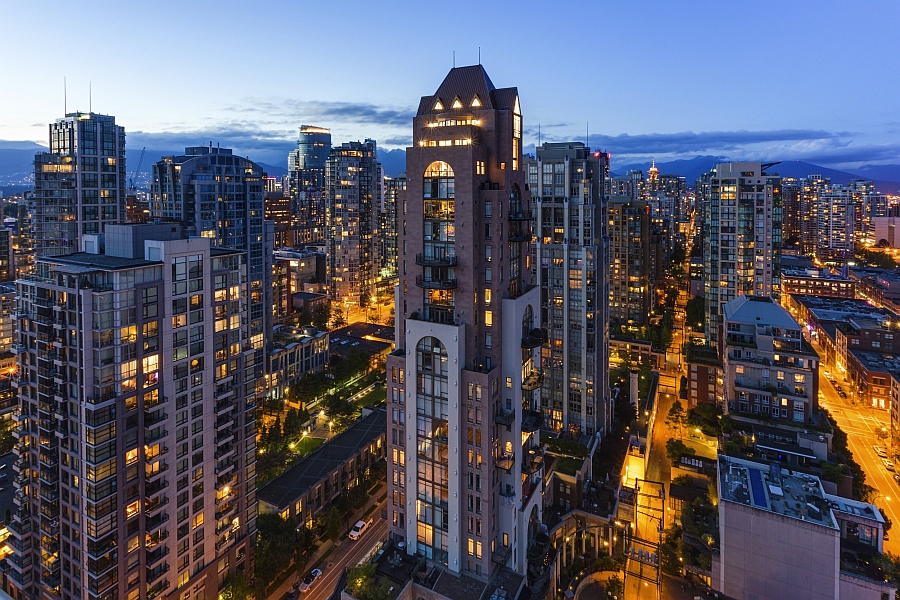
pixel 361 584
pixel 337 317
pixel 236 587
pixel 695 313
pixel 274 549
pixel 675 449
pixel 333 524
pixel 321 316
pixel 615 587
pixel 677 417
pixel 303 317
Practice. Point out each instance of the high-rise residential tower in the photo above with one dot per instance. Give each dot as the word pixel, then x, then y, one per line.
pixel 389 226
pixel 629 263
pixel 79 185
pixel 219 196
pixel 571 254
pixel 792 216
pixel 306 182
pixel 134 470
pixel 463 385
pixel 835 220
pixel 742 253
pixel 352 199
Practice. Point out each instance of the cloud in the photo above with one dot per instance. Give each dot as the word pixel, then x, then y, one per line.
pixel 245 138
pixel 323 113
pixel 717 141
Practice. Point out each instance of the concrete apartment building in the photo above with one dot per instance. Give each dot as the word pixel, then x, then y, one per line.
pixel 769 368
pixel 742 231
pixel 352 197
pixel 629 263
pixel 571 249
pixel 836 219
pixel 219 196
pixel 79 185
pixel 135 463
pixel 816 282
pixel 466 372
pixel 782 536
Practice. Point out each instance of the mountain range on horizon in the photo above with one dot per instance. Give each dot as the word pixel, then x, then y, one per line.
pixel 16 158
pixel 885 177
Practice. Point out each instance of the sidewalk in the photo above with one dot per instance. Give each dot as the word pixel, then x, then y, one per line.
pixel 335 551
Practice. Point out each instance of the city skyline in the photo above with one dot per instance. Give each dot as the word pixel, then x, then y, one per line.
pixel 664 111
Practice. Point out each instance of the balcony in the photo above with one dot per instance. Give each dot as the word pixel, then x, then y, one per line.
pixel 535 338
pixel 151 489
pixel 20 528
pixel 519 215
pixel 533 381
pixel 156 522
pixel 501 555
pixel 534 461
pixel 505 461
pixel 504 417
pixel 435 261
pixel 520 236
pixel 154 556
pixel 532 420
pixel 508 500
pixel 448 283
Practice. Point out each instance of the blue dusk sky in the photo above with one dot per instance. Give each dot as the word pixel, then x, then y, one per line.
pixel 812 80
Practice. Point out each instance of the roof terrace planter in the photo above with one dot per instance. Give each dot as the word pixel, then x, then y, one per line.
pixel 435 261
pixel 436 284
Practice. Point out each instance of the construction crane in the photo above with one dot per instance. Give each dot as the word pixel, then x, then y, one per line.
pixel 131 187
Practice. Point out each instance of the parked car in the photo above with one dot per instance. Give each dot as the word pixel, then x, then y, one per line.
pixel 897 477
pixel 879 451
pixel 358 529
pixel 310 580
pixel 887 464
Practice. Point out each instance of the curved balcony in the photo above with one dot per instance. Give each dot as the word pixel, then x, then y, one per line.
pixel 519 216
pixel 532 420
pixel 505 461
pixel 534 339
pixel 533 462
pixel 448 283
pixel 504 417
pixel 435 261
pixel 520 236
pixel 533 381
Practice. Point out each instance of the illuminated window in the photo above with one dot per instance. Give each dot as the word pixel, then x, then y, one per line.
pixel 132 509
pixel 476 102
pixel 438 105
pixel 457 103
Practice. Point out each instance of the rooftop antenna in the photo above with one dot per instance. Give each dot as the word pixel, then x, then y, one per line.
pixel 587 134
pixel 479 56
pixel 539 134
pixel 90 97
pixel 65 97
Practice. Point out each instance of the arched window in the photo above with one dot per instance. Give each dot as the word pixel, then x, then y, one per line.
pixel 439 180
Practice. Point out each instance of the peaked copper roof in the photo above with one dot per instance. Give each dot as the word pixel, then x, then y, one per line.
pixel 466 83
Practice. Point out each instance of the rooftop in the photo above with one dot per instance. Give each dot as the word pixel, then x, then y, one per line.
pixel 365 331
pixel 312 469
pixel 814 274
pixel 827 308
pixel 873 361
pixel 100 262
pixel 773 489
pixel 761 309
